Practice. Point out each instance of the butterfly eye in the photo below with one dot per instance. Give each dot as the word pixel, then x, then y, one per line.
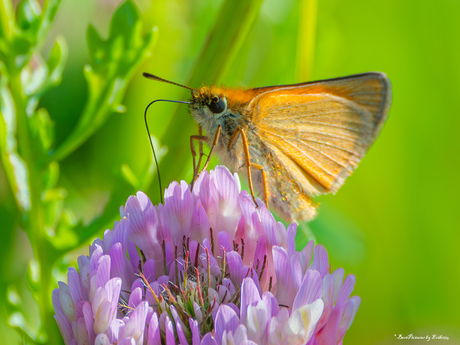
pixel 217 105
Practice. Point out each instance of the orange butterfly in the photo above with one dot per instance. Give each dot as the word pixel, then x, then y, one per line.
pixel 297 141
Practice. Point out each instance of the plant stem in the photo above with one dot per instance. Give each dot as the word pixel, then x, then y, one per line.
pixel 306 39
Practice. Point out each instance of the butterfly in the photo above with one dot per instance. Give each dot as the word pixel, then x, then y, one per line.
pixel 294 142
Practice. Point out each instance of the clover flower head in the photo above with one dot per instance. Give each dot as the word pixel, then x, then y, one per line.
pixel 206 267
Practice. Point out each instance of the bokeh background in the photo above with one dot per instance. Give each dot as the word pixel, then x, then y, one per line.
pixel 394 224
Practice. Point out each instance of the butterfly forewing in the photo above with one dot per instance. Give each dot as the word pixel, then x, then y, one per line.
pixel 317 133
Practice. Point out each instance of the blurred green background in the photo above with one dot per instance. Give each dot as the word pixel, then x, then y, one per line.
pixel 394 224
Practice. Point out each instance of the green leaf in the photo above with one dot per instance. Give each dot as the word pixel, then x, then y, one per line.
pixel 21 45
pixel 19 180
pixel 28 15
pixel 49 12
pixel 96 45
pixel 35 79
pixel 54 194
pixel 119 52
pixel 8 112
pixel 53 206
pixel 24 41
pixel 14 165
pixel 6 22
pixel 44 74
pixel 51 176
pixel 116 54
pixel 42 131
pixel 124 22
pixel 56 61
pixel 113 63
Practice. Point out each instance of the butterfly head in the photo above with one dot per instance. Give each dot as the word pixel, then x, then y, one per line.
pixel 208 103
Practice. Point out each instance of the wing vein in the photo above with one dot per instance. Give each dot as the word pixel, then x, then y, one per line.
pixel 336 126
pixel 330 145
pixel 349 139
pixel 313 160
pixel 290 118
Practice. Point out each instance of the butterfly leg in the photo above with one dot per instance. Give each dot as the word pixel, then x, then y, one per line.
pixel 202 138
pixel 247 159
pixel 264 181
pixel 199 138
pixel 200 133
pixel 214 143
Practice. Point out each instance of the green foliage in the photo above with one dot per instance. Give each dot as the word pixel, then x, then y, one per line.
pixel 29 153
pixel 113 62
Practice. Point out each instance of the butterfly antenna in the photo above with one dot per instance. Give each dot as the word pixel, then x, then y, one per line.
pixel 154 77
pixel 150 138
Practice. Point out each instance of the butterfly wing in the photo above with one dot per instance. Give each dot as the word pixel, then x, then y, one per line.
pixel 316 133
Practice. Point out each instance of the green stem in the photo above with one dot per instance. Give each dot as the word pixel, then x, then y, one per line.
pixel 212 66
pixel 6 19
pixel 33 219
pixel 306 39
pixel 44 294
pixel 50 8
